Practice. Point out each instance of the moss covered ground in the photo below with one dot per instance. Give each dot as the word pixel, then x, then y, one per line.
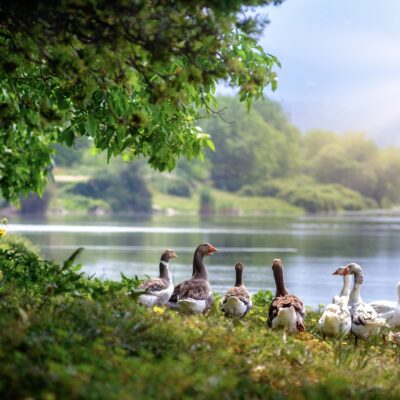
pixel 64 336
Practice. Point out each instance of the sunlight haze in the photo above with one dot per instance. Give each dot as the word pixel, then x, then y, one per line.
pixel 340 65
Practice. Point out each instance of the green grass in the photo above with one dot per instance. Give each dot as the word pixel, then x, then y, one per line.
pixel 63 336
pixel 226 202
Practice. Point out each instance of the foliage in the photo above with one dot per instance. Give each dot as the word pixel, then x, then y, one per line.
pixel 263 298
pixel 251 147
pixel 238 204
pixel 355 162
pixel 179 187
pixel 33 204
pixel 304 192
pixel 19 244
pixel 78 204
pixel 134 76
pixel 67 156
pixel 85 338
pixel 125 191
pixel 207 201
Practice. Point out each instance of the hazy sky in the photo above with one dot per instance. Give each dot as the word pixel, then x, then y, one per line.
pixel 340 64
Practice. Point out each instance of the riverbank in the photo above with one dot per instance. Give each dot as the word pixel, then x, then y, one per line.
pixel 65 336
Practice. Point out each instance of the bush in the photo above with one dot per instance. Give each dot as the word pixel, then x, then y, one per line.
pixel 313 197
pixel 124 191
pixel 207 201
pixel 66 336
pixel 179 187
pixel 19 244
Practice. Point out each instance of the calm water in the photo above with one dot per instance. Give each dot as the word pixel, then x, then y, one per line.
pixel 311 248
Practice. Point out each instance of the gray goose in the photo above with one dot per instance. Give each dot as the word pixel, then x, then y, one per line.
pixel 237 300
pixel 194 296
pixel 157 291
pixel 286 310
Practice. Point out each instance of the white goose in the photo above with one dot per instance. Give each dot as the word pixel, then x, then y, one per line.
pixel 389 310
pixel 237 300
pixel 157 291
pixel 365 320
pixel 336 319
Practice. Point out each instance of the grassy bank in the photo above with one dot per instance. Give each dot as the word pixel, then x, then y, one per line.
pixel 64 336
pixel 225 202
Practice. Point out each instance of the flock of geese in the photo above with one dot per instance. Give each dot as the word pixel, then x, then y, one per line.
pixel 347 312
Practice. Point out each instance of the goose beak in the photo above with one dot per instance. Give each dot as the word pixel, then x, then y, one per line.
pixel 342 271
pixel 211 250
pixel 174 255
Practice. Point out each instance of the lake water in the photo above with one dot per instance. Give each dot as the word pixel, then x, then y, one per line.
pixel 311 248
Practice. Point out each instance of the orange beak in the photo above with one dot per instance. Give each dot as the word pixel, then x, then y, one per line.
pixel 341 271
pixel 211 250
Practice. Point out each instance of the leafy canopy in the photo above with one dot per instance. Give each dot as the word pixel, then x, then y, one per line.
pixel 134 76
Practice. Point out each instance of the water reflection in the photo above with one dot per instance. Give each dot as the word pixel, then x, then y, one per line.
pixel 311 247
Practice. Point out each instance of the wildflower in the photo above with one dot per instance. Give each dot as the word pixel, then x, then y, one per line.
pixel 3 232
pixel 158 310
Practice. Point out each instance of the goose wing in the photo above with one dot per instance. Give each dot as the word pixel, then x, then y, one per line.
pixel 240 292
pixel 196 289
pixel 364 314
pixel 383 306
pixel 154 285
pixel 287 301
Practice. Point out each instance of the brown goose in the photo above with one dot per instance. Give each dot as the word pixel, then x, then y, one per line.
pixel 286 310
pixel 158 290
pixel 194 296
pixel 237 300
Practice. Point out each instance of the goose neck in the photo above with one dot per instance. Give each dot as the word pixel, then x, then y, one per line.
pixel 279 281
pixel 199 269
pixel 164 271
pixel 346 286
pixel 239 278
pixel 355 295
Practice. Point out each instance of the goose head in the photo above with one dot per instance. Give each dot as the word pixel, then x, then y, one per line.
pixel 353 269
pixel 168 254
pixel 239 267
pixel 206 249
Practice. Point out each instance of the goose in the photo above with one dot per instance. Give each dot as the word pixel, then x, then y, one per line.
pixel 389 310
pixel 365 321
pixel 194 296
pixel 393 337
pixel 237 300
pixel 157 291
pixel 335 321
pixel 286 310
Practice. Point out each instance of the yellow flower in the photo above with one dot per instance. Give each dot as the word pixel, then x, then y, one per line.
pixel 3 232
pixel 158 310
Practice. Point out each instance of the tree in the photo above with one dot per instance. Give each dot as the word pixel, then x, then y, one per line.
pixel 251 148
pixel 134 76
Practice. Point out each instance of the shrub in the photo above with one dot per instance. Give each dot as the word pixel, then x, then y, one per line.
pixel 207 201
pixel 179 187
pixel 313 197
pixel 125 191
pixel 19 244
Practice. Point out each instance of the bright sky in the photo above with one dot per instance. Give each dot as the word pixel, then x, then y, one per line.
pixel 340 64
